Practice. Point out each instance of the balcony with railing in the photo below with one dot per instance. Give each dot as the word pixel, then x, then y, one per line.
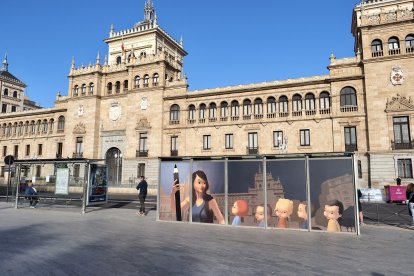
pixel 224 119
pixel 202 120
pixel 191 121
pixel 409 49
pixel 349 108
pixel 252 150
pixel 174 122
pixel 325 111
pixel 141 153
pixel 283 114
pixel 377 54
pixel 247 117
pixel 213 119
pixel 271 115
pixel 392 52
pixel 234 118
pixel 77 155
pixel 402 145
pixel 258 116
pixel 310 112
pixel 297 113
pixel 351 148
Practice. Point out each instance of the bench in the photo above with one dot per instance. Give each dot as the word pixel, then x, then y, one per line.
pixel 51 199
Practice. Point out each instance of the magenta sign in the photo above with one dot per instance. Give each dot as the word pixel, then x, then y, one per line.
pixel 395 193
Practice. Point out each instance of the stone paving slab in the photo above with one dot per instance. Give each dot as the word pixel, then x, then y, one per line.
pixel 118 242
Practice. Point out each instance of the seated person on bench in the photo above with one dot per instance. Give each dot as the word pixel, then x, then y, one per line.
pixel 31 194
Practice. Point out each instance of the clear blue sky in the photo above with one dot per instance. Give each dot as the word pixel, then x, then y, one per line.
pixel 229 42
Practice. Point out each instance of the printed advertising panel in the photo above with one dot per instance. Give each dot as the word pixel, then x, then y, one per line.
pixel 245 192
pixel 174 191
pixel 208 197
pixel 332 194
pixel 286 193
pixel 97 185
pixel 62 181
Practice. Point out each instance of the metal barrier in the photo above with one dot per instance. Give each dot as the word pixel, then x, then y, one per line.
pixel 386 213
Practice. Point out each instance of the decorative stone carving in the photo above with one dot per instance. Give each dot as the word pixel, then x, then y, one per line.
pixel 115 111
pixel 374 19
pixel 406 14
pixel 144 103
pixel 390 16
pixel 399 103
pixel 81 110
pixel 79 129
pixel 397 76
pixel 143 124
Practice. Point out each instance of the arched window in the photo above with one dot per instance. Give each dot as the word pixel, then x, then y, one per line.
pixel 118 60
pixel 258 107
pixel 15 94
pixel 146 80
pixel 83 89
pixel 393 46
pixel 271 105
pixel 15 129
pixel 283 106
pixel 20 132
pixel 212 111
pixel 409 43
pixel 247 107
pixel 155 79
pixel 51 125
pixel 309 101
pixel 109 87
pixel 324 101
pixel 91 88
pixel 175 113
pixel 3 129
pixel 376 48
pixel 125 85
pixel 61 123
pixel 9 129
pixel 191 113
pixel 202 113
pixel 6 92
pixel 32 127
pixel 26 127
pixel 118 87
pixel 38 126
pixel 234 109
pixel 45 125
pixel 297 103
pixel 137 81
pixel 224 109
pixel 76 90
pixel 348 97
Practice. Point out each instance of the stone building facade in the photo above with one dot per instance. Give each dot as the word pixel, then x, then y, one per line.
pixel 136 107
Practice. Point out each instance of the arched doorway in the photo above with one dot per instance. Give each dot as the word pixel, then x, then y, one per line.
pixel 113 160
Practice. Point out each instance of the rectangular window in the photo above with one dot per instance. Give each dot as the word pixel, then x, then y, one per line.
pixel 174 145
pixel 141 169
pixel 405 168
pixel 4 108
pixel 4 150
pixel 252 142
pixel 305 137
pixel 350 139
pixel 229 141
pixel 27 150
pixel 3 168
pixel 402 137
pixel 79 145
pixel 143 142
pixel 38 170
pixel 59 151
pixel 16 151
pixel 206 142
pixel 277 138
pixel 40 150
pixel 359 169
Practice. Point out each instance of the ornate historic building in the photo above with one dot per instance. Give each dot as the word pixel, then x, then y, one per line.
pixel 135 107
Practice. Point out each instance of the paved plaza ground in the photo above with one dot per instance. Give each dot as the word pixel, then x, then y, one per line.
pixel 113 241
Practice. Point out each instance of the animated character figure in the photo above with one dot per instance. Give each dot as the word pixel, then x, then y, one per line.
pixel 333 211
pixel 303 214
pixel 260 215
pixel 283 210
pixel 204 206
pixel 240 209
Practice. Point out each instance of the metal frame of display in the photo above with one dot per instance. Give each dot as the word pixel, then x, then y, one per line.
pixel 265 159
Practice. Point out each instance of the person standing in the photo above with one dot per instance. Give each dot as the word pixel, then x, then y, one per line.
pixel 410 197
pixel 361 214
pixel 143 189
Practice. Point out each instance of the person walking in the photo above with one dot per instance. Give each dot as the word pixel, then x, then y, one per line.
pixel 143 189
pixel 31 194
pixel 410 197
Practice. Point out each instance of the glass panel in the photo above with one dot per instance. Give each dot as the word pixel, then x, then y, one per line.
pixel 208 197
pixel 332 194
pixel 286 194
pixel 168 198
pixel 245 193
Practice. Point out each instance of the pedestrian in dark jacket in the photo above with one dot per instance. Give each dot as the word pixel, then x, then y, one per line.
pixel 143 189
pixel 31 194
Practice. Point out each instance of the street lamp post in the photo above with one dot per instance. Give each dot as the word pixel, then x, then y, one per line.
pixel 118 161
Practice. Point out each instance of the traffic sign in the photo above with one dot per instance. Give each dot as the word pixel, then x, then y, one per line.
pixel 9 160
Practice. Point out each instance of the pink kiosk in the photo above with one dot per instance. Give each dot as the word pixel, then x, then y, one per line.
pixel 395 193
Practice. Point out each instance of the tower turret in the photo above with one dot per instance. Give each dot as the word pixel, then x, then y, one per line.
pixel 149 12
pixel 5 63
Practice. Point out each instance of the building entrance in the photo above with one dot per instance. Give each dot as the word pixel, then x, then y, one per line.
pixel 113 160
